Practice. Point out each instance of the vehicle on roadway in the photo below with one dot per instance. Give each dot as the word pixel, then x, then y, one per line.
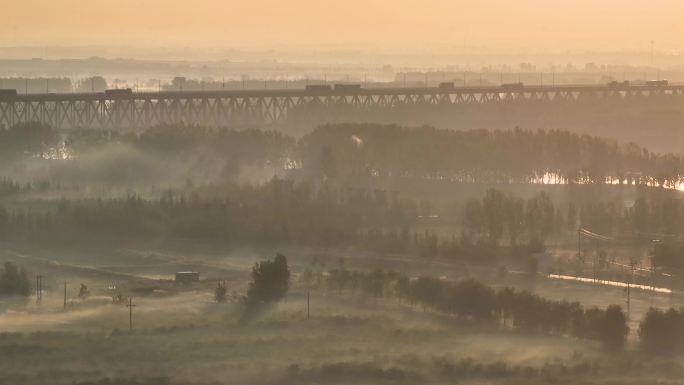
pixel 119 92
pixel 8 94
pixel 616 83
pixel 513 85
pixel 343 87
pixel 446 86
pixel 657 83
pixel 318 87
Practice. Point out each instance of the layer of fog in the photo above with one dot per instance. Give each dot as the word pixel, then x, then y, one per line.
pixel 117 169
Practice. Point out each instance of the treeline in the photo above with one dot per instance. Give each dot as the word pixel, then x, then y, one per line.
pixel 36 85
pixel 280 211
pixel 387 151
pixel 29 140
pixel 9 187
pixel 469 298
pixel 497 213
pixel 235 147
pixel 284 211
pixel 245 146
pixel 498 216
pixel 483 156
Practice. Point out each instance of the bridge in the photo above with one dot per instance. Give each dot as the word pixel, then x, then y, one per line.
pixel 245 108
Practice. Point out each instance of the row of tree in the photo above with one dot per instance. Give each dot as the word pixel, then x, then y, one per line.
pixel 469 298
pixel 369 150
pixel 280 211
pixel 497 213
pixel 476 156
pixel 284 211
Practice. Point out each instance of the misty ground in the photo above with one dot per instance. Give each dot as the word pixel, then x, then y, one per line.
pixel 350 338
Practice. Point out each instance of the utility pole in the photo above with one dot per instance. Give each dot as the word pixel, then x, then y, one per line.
pixel 579 243
pixel 39 289
pixel 651 52
pixel 65 295
pixel 596 251
pixel 308 304
pixel 629 282
pixel 130 313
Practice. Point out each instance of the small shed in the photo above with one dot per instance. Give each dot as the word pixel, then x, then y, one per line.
pixel 187 277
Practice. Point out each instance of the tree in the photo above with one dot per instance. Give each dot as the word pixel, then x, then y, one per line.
pixel 220 292
pixel 14 281
pixel 540 217
pixel 270 281
pixel 612 329
pixel 92 84
pixel 473 221
pixel 660 332
pixel 27 139
pixel 83 292
pixel 493 213
pixel 471 298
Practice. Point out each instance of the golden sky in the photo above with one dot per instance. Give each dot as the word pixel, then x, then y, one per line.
pixel 536 25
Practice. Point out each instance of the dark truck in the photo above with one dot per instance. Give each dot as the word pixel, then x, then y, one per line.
pixel 615 83
pixel 6 94
pixel 508 86
pixel 119 92
pixel 318 87
pixel 347 87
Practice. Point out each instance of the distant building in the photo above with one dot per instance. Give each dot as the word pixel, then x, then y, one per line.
pixel 187 277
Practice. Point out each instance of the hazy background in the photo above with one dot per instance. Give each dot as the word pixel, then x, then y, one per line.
pixel 430 25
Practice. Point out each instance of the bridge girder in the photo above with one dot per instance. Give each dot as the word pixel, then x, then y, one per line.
pixel 235 109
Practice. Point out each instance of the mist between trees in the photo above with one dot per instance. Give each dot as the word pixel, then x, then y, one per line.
pixel 373 151
pixel 288 212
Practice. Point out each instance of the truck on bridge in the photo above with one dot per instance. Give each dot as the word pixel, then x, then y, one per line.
pixel 616 83
pixel 8 94
pixel 512 86
pixel 318 87
pixel 347 87
pixel 119 92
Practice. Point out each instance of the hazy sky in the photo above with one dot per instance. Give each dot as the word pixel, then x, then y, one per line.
pixel 532 25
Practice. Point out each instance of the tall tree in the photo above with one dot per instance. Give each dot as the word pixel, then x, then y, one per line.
pixel 270 281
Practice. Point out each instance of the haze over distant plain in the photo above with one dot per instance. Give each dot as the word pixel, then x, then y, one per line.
pixel 500 25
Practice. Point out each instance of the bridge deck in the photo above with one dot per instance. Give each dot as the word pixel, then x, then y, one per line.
pixel 339 92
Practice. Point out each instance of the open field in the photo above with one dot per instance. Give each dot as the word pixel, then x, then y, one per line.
pixel 183 333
